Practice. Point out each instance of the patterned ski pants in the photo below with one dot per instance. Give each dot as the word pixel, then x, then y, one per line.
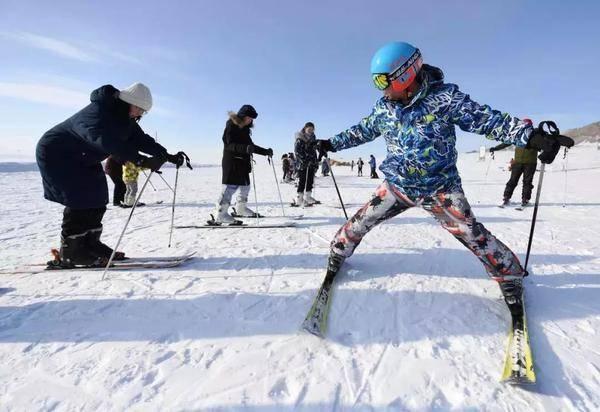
pixel 451 210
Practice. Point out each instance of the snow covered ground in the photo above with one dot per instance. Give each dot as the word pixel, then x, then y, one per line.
pixel 415 324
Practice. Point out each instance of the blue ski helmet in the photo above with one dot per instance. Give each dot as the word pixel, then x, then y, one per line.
pixel 396 64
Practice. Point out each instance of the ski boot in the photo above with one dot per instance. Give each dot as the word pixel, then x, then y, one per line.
pixel 242 210
pixel 75 251
pixel 334 263
pixel 99 248
pixel 505 202
pixel 524 203
pixel 299 202
pixel 223 217
pixel 309 200
pixel 512 290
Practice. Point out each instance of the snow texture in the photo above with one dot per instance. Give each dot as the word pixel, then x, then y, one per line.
pixel 415 325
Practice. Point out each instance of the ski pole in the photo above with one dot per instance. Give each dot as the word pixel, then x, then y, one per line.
pixel 167 183
pixel 270 160
pixel 487 170
pixel 337 189
pixel 563 141
pixel 137 199
pixel 173 206
pixel 254 186
pixel 566 166
pixel 146 174
pixel 305 186
pixel 534 218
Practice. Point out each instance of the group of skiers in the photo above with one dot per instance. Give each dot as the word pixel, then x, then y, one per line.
pixel 416 115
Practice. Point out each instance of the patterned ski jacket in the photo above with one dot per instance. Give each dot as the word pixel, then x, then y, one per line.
pixel 420 136
pixel 131 172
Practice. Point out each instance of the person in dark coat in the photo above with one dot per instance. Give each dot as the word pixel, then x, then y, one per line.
pixel 69 157
pixel 525 163
pixel 325 167
pixel 238 148
pixel 113 167
pixel 305 149
pixel 360 164
pixel 285 166
pixel 373 164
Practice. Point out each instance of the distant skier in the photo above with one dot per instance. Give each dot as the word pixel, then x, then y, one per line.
pixel 293 171
pixel 113 167
pixel 305 149
pixel 69 156
pixel 417 116
pixel 285 166
pixel 525 163
pixel 352 166
pixel 373 165
pixel 360 163
pixel 325 167
pixel 238 148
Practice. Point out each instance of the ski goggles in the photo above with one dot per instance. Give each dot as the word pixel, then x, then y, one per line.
pixel 403 76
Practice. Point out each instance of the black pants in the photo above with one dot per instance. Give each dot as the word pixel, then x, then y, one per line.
pixel 77 221
pixel 518 169
pixel 119 192
pixel 360 170
pixel 303 182
pixel 374 174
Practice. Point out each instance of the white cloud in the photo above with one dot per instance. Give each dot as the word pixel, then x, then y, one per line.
pixel 85 52
pixel 47 94
pixel 55 46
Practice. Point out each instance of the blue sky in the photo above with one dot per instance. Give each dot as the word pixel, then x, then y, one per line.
pixel 294 61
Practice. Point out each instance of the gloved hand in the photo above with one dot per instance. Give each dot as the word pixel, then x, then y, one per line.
pixel 492 149
pixel 179 159
pixel 548 143
pixel 260 150
pixel 153 163
pixel 324 146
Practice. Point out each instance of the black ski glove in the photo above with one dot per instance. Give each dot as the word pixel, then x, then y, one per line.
pixel 179 159
pixel 153 163
pixel 548 142
pixel 260 150
pixel 324 146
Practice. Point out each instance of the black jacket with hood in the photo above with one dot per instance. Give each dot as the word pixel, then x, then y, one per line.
pixel 69 155
pixel 237 148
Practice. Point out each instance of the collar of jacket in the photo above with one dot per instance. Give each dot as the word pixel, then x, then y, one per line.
pixel 305 137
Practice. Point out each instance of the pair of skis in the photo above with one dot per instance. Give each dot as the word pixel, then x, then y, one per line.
pixel 161 262
pixel 518 363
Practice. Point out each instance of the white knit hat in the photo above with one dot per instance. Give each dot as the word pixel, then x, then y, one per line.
pixel 137 94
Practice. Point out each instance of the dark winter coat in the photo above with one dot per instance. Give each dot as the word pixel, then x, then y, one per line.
pixel 69 154
pixel 236 152
pixel 305 150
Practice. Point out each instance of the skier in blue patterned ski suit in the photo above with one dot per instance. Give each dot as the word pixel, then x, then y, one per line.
pixel 416 117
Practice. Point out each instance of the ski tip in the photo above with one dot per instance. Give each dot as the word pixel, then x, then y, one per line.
pixel 312 328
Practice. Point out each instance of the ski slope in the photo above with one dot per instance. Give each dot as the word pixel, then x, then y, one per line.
pixel 415 325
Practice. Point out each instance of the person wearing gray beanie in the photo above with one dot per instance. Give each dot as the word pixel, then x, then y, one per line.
pixel 69 157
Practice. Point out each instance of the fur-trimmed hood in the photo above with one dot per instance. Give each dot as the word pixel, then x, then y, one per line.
pixel 305 137
pixel 238 121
